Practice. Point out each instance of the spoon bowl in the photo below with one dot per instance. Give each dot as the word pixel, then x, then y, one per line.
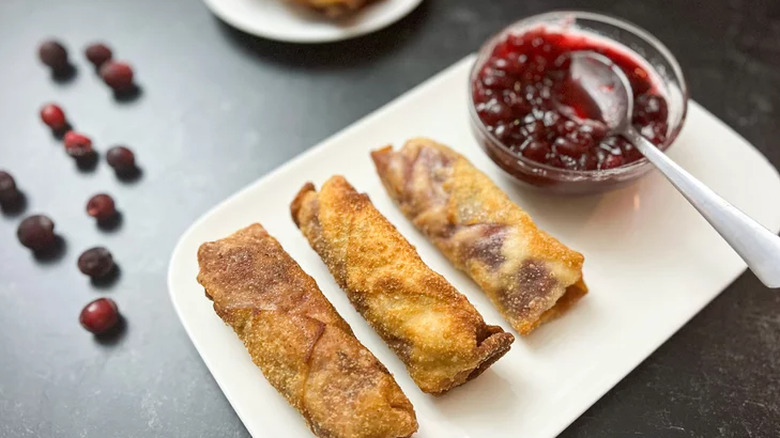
pixel 606 85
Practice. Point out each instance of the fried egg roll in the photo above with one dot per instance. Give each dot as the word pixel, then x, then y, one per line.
pixel 528 275
pixel 434 330
pixel 299 341
pixel 334 8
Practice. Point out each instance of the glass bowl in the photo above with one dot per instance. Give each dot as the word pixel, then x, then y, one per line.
pixel 614 32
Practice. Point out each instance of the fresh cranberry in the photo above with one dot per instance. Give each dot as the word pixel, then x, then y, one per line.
pixel 8 190
pixel 564 127
pixel 525 96
pixel 649 108
pixel 654 131
pixel 516 63
pixel 53 116
pixel 532 128
pixel 516 102
pixel 481 94
pixel 117 75
pixel 515 42
pixel 564 146
pixel 101 207
pixel 99 316
pixel 496 80
pixel 555 161
pixel 121 159
pixel 583 138
pixel 630 153
pixel 589 162
pixel 612 161
pixel 96 262
pixel 494 111
pixel 536 150
pixel 596 130
pixel 638 77
pixel 53 54
pixel 77 145
pixel 37 233
pixel 98 54
pixel 570 163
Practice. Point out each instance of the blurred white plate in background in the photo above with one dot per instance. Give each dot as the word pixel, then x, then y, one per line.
pixel 280 20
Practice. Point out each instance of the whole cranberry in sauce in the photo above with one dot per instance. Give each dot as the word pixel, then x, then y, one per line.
pixel 96 262
pixel 121 159
pixel 77 145
pixel 118 75
pixel 99 316
pixel 101 207
pixel 36 233
pixel 54 55
pixel 523 94
pixel 98 54
pixel 53 116
pixel 8 190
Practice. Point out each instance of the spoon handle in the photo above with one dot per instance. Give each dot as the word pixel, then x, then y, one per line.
pixel 759 247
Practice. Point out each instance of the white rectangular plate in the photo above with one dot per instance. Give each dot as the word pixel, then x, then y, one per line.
pixel 651 264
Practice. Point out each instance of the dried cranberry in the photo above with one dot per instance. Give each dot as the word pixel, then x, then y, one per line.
pixel 96 262
pixel 8 190
pixel 37 233
pixel 121 159
pixel 101 207
pixel 99 316
pixel 77 145
pixel 53 116
pixel 53 54
pixel 117 75
pixel 98 54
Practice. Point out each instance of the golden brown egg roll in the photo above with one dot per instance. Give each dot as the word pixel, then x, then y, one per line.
pixel 299 342
pixel 434 330
pixel 529 275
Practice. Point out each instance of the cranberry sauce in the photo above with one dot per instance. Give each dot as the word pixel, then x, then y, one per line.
pixel 519 91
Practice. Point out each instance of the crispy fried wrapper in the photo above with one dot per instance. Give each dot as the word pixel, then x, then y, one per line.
pixel 334 8
pixel 299 342
pixel 529 275
pixel 434 330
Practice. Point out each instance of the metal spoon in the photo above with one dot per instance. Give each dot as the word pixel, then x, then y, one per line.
pixel 610 90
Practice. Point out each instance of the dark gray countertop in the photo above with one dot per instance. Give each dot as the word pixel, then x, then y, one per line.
pixel 220 109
